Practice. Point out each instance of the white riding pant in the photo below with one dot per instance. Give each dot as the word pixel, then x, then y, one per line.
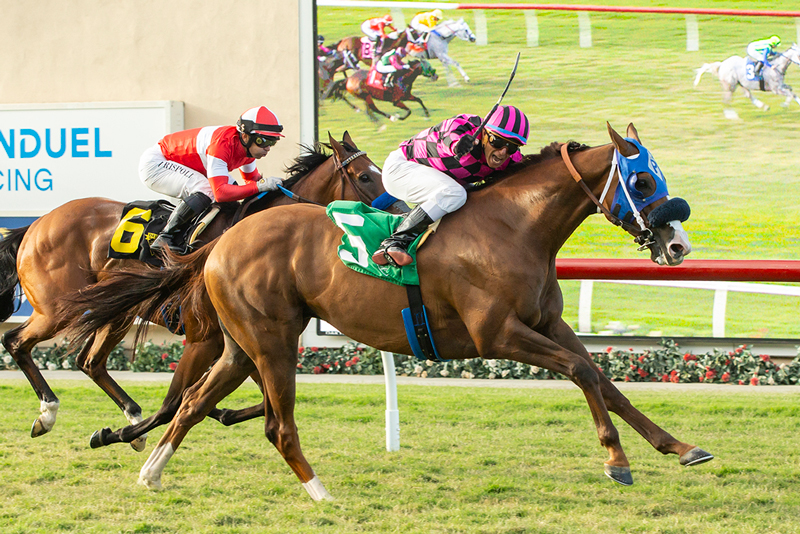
pixel 371 34
pixel 170 178
pixel 435 192
pixel 384 69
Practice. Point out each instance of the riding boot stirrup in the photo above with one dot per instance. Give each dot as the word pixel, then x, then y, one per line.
pixel 394 249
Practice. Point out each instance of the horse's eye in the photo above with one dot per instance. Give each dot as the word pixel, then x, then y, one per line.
pixel 645 184
pixel 364 178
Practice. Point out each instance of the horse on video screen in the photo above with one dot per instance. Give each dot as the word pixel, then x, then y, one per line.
pixel 736 71
pixel 368 86
pixel 438 41
pixel 62 252
pixel 488 279
pixel 364 50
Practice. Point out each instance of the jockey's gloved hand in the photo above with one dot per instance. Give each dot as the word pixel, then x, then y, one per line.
pixel 269 183
pixel 464 145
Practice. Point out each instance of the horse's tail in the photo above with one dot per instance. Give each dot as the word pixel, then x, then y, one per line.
pixel 713 68
pixel 177 289
pixel 336 90
pixel 9 278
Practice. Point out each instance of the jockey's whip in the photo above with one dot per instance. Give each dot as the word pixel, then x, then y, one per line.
pixel 486 119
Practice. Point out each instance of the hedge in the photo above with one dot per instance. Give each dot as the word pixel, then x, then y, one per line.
pixel 668 363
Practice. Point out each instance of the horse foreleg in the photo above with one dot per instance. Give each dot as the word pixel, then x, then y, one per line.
pixel 616 402
pixel 353 106
pixel 19 343
pixel 413 98
pixel 756 102
pixel 400 105
pixel 225 376
pixel 372 107
pixel 514 340
pixel 449 61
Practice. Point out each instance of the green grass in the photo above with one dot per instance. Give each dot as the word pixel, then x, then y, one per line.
pixel 740 177
pixel 472 460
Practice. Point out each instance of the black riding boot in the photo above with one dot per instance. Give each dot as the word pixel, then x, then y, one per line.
pixel 758 67
pixel 393 249
pixel 184 212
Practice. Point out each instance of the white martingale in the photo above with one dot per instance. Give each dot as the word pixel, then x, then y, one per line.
pixel 150 475
pixel 317 491
pixel 48 417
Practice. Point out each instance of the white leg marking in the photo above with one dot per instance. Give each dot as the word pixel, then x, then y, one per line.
pixel 317 491
pixel 139 443
pixel 48 417
pixel 150 475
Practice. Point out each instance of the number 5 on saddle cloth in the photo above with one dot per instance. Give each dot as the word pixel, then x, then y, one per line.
pixel 364 229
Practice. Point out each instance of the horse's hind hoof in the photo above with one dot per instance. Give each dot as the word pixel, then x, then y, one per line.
pixel 620 475
pixel 38 429
pixel 98 439
pixel 696 456
pixel 139 443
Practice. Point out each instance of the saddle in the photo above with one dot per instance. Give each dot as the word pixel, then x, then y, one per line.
pixel 751 75
pixel 141 221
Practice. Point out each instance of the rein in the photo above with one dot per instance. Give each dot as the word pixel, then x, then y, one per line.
pixel 643 236
pixel 341 167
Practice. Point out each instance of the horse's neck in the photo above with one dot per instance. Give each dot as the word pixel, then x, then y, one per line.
pixel 323 185
pixel 781 64
pixel 546 202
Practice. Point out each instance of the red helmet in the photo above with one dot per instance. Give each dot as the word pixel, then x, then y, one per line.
pixel 260 121
pixel 387 19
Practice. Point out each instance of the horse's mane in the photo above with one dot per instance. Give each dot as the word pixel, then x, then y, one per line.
pixel 548 152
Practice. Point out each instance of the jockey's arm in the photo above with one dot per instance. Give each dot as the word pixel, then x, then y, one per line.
pixel 227 192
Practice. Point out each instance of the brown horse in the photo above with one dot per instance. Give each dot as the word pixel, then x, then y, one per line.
pixel 63 251
pixel 353 44
pixel 488 278
pixel 356 84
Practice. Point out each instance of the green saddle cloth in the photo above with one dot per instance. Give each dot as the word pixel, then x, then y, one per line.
pixel 364 229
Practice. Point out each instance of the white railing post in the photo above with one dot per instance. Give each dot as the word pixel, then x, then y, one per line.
pixel 397 16
pixel 532 23
pixel 585 28
pixel 718 317
pixel 392 413
pixel 692 34
pixel 481 33
pixel 585 307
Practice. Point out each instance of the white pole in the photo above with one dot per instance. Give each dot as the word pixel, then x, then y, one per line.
pixel 308 60
pixel 532 23
pixel 585 28
pixel 692 34
pixel 481 33
pixel 392 413
pixel 585 307
pixel 718 317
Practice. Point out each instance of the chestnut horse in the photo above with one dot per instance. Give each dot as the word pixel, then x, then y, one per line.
pixel 353 44
pixel 488 278
pixel 356 84
pixel 63 251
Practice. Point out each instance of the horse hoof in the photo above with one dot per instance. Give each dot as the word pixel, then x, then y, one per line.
pixel 99 438
pixel 382 128
pixel 38 429
pixel 696 456
pixel 154 485
pixel 139 443
pixel 620 475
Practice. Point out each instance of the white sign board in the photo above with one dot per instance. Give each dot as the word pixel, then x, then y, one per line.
pixel 54 153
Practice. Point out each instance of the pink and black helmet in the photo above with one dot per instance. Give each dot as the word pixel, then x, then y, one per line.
pixel 260 121
pixel 510 123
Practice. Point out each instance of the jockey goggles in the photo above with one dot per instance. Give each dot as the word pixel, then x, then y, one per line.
pixel 263 141
pixel 499 143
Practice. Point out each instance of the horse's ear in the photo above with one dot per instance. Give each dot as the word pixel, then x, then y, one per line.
pixel 347 139
pixel 338 150
pixel 632 133
pixel 625 148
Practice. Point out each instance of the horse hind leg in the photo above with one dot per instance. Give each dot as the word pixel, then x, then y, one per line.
pixel 19 342
pixel 92 361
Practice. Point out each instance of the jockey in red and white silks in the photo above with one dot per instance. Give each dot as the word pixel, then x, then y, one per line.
pixel 194 166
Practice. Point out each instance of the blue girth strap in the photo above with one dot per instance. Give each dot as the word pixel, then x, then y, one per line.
pixel 418 330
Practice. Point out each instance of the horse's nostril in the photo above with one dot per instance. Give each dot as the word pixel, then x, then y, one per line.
pixel 676 250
